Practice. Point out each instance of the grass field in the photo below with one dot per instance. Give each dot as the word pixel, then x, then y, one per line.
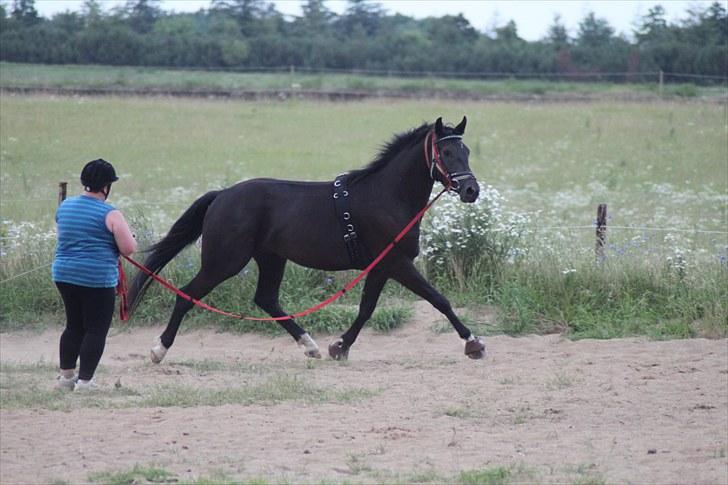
pixel 661 168
pixel 663 160
pixel 146 78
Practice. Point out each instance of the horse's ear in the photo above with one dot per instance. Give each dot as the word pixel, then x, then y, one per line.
pixel 460 129
pixel 438 127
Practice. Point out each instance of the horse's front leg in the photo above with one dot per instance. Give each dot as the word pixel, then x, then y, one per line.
pixel 410 278
pixel 339 349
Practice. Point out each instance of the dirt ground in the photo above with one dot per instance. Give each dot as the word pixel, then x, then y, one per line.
pixel 407 407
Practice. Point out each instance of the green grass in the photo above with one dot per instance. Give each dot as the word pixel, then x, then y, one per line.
pixel 624 296
pixel 151 474
pixel 463 412
pixel 274 390
pixel 657 165
pixel 361 473
pixel 24 386
pixel 489 476
pixel 646 160
pixel 138 474
pixel 146 79
pixel 18 394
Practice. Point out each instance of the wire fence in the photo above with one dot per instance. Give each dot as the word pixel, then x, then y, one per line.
pixel 658 77
pixel 614 76
pixel 565 228
pixel 38 268
pixel 592 227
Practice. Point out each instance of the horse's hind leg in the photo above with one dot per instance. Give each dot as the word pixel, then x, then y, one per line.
pixel 202 284
pixel 270 275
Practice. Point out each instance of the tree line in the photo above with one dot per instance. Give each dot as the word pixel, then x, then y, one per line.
pixel 239 34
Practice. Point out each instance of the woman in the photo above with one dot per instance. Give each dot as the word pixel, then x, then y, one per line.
pixel 91 235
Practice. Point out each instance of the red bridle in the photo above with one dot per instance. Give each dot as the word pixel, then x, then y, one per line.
pixel 451 180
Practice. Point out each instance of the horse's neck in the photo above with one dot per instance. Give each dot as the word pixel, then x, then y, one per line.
pixel 405 178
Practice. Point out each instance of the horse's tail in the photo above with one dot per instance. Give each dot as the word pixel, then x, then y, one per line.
pixel 183 233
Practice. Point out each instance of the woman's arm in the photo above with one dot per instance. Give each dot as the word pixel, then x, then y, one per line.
pixel 122 234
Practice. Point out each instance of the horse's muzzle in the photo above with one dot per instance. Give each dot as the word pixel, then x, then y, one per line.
pixel 467 188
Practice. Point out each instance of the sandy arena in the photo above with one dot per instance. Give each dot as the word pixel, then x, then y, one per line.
pixel 407 407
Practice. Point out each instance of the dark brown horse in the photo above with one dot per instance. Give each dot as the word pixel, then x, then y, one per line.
pixel 323 225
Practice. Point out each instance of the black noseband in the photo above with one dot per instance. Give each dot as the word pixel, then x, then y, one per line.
pixel 457 177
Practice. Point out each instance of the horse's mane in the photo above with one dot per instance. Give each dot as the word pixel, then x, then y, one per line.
pixel 389 150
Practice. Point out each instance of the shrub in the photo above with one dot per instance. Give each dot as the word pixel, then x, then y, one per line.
pixel 460 240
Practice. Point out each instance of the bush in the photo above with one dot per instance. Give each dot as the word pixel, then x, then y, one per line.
pixel 460 241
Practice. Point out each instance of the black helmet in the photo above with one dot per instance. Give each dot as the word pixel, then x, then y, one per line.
pixel 97 174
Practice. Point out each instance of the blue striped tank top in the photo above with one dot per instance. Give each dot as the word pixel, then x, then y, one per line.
pixel 86 252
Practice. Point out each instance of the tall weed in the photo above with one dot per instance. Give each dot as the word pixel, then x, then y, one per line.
pixel 615 297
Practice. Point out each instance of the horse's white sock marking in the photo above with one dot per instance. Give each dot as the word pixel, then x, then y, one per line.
pixel 158 352
pixel 311 349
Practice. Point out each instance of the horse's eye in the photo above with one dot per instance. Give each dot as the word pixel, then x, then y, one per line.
pixel 448 153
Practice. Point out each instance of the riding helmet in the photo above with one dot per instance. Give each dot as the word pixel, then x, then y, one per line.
pixel 97 174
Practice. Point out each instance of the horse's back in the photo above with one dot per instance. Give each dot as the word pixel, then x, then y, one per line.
pixel 294 220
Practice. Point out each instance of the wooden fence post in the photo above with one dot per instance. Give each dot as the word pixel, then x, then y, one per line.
pixel 601 231
pixel 62 189
pixel 662 82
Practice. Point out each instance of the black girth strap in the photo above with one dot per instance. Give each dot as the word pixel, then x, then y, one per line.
pixel 358 254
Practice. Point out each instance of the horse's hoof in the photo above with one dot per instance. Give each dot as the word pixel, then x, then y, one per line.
pixel 313 354
pixel 311 349
pixel 338 351
pixel 158 352
pixel 475 349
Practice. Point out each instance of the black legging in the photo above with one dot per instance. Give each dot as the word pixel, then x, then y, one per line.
pixel 88 317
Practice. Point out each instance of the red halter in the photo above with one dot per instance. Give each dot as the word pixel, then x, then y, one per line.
pixel 451 180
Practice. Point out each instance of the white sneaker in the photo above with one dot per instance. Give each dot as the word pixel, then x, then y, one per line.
pixel 85 386
pixel 66 383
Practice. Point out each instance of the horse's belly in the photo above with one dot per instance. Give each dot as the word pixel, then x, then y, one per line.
pixel 312 249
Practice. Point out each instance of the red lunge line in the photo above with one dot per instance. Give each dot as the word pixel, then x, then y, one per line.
pixel 123 309
pixel 121 291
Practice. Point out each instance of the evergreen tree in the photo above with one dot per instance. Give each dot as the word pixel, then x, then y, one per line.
pixel 143 14
pixel 508 33
pixel 361 17
pixel 24 12
pixel 594 32
pixel 247 13
pixel 557 34
pixel 653 25
pixel 91 12
pixel 316 18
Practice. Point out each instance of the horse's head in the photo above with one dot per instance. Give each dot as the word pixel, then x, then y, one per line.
pixel 447 157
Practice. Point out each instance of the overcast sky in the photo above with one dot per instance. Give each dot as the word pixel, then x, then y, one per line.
pixel 531 16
